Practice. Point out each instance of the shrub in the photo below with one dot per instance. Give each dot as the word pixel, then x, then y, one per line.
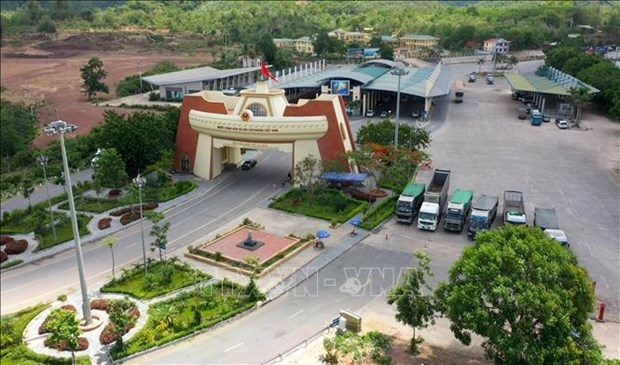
pixel 62 297
pixel 104 223
pixel 16 247
pixel 120 212
pixel 64 345
pixel 43 327
pixel 115 193
pixel 100 304
pixel 3 256
pixel 6 239
pixel 129 217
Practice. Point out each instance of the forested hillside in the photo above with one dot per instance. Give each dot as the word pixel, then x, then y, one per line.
pixel 528 24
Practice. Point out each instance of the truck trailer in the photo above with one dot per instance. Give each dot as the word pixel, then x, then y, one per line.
pixel 457 210
pixel 434 200
pixel 409 202
pixel 483 213
pixel 547 220
pixel 514 209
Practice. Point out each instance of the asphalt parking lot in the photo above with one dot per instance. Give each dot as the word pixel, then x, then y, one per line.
pixel 490 150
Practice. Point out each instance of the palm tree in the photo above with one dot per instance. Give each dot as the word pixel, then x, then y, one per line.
pixel 480 63
pixel 578 98
pixel 110 242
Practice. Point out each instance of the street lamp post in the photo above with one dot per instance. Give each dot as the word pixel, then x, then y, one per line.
pixel 400 72
pixel 43 160
pixel 60 127
pixel 139 181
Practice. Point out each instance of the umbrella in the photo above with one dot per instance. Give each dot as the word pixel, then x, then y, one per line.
pixel 322 233
pixel 355 222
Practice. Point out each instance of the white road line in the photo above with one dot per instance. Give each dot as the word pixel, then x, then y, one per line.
pixel 234 347
pixel 295 314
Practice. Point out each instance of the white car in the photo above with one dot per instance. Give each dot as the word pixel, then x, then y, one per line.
pixel 370 113
pixel 562 124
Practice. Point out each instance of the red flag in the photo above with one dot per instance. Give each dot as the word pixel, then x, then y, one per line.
pixel 265 72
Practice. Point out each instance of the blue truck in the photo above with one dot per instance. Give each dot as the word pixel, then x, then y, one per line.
pixel 483 213
pixel 536 117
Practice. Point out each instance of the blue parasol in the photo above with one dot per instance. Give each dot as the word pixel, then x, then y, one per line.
pixel 322 233
pixel 355 222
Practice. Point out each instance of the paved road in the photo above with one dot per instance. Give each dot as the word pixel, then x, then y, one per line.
pixel 227 198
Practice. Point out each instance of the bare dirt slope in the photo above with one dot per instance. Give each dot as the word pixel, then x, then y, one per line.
pixel 47 73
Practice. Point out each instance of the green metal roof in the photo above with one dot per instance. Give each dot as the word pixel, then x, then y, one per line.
pixel 413 189
pixel 461 196
pixel 550 82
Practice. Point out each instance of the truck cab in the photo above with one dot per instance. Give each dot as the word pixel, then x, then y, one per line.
pixel 457 210
pixel 429 216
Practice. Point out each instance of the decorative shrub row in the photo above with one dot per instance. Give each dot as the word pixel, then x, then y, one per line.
pixel 145 207
pixel 3 256
pixel 130 217
pixel 104 223
pixel 6 239
pixel 100 304
pixel 43 327
pixel 16 247
pixel 64 345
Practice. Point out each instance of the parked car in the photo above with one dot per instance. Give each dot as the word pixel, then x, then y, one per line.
pixel 370 113
pixel 415 114
pixel 384 114
pixel 546 118
pixel 562 124
pixel 472 77
pixel 248 164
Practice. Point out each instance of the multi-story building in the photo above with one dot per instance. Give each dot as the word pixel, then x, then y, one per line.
pixel 350 37
pixel 499 45
pixel 299 45
pixel 412 41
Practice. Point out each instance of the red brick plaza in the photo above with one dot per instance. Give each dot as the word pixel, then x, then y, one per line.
pixel 227 245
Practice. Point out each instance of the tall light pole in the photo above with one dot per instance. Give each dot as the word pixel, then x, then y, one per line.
pixel 139 181
pixel 400 72
pixel 43 160
pixel 60 127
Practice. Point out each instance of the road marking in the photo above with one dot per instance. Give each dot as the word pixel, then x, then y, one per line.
pixel 234 347
pixel 295 314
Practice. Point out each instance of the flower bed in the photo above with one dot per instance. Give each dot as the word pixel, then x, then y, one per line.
pixel 104 223
pixel 129 217
pixel 64 345
pixel 6 239
pixel 115 193
pixel 43 327
pixel 100 304
pixel 145 207
pixel 3 256
pixel 16 247
pixel 108 334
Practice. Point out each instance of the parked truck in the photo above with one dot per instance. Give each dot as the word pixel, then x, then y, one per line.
pixel 457 210
pixel 459 91
pixel 536 117
pixel 514 209
pixel 483 213
pixel 409 202
pixel 434 200
pixel 547 220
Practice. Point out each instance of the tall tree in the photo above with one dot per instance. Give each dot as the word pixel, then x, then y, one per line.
pixel 27 190
pixel 110 169
pixel 159 232
pixel 578 98
pixel 64 327
pixel 307 175
pixel 268 48
pixel 526 295
pixel 414 299
pixel 110 242
pixel 382 133
pixel 18 128
pixel 92 74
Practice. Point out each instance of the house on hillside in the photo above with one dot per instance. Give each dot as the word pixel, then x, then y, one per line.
pixel 499 45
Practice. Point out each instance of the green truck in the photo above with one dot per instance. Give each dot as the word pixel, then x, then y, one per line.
pixel 458 209
pixel 409 202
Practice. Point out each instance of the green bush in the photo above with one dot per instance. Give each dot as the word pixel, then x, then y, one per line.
pixel 176 317
pixel 382 211
pixel 328 204
pixel 160 279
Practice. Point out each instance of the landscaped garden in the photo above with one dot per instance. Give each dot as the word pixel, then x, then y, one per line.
pixel 162 277
pixel 189 312
pixel 14 351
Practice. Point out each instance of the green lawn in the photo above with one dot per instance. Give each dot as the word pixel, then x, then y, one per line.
pixel 64 232
pixel 13 351
pixel 379 213
pixel 328 204
pixel 133 282
pixel 187 313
